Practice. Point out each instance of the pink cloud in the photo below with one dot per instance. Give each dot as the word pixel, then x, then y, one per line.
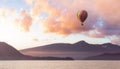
pixel 6 12
pixel 62 21
pixel 110 12
pixel 29 2
pixel 62 17
pixel 40 6
pixel 25 21
pixel 116 40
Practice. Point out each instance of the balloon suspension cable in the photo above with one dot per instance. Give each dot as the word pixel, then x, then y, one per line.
pixel 82 25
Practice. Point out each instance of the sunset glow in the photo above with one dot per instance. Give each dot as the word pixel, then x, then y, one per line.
pixel 31 23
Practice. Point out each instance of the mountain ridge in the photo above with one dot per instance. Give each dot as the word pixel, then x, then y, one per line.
pixel 62 51
pixel 105 56
pixel 7 52
pixel 79 49
pixel 77 44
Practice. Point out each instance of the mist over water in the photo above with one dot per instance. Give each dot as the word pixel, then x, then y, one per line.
pixel 82 64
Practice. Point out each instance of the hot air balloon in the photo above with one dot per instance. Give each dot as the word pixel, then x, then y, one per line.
pixel 82 16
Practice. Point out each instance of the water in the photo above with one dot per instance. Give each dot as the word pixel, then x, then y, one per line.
pixel 82 64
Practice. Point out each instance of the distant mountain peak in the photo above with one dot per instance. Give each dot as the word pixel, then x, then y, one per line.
pixel 82 42
pixel 107 43
pixel 110 45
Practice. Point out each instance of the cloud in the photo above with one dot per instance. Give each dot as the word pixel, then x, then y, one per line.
pixel 24 21
pixel 110 12
pixel 61 16
pixel 39 6
pixel 29 2
pixel 94 33
pixel 6 12
pixel 35 39
pixel 108 9
pixel 66 24
pixel 116 40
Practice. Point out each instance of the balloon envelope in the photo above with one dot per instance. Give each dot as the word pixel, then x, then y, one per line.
pixel 82 15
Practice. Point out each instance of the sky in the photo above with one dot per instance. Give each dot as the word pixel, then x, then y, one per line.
pixel 31 23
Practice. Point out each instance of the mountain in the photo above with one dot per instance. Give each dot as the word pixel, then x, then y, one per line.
pixel 7 52
pixel 79 50
pixel 105 56
pixel 81 46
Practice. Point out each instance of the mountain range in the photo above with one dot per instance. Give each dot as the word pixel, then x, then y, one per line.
pixel 79 50
pixel 62 51
pixel 105 56
pixel 7 52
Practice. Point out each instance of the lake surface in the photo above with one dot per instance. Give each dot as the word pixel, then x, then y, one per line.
pixel 77 64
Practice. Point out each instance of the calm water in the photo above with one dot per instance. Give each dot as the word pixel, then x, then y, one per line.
pixel 60 64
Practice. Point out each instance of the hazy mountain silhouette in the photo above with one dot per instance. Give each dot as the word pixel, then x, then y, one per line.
pixel 77 50
pixel 7 52
pixel 81 46
pixel 62 51
pixel 105 56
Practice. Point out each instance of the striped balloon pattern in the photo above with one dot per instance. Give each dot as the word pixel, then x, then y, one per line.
pixel 82 16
